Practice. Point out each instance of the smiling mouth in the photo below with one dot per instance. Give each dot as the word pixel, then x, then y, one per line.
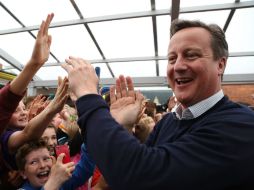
pixel 43 174
pixel 23 120
pixel 183 81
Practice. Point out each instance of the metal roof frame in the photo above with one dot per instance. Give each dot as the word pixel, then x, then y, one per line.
pixel 153 13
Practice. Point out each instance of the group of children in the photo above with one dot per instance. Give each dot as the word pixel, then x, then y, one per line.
pixel 23 153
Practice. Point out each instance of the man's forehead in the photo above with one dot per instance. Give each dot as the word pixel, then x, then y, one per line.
pixel 189 38
pixel 192 32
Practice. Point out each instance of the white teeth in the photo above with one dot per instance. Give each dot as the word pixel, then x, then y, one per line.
pixel 183 80
pixel 44 173
pixel 23 119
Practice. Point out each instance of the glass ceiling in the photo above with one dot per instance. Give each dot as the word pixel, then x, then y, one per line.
pixel 127 37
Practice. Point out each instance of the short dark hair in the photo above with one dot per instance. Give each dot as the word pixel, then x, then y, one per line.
pixel 51 126
pixel 24 150
pixel 219 44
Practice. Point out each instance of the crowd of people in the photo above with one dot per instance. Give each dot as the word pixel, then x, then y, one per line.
pixel 119 140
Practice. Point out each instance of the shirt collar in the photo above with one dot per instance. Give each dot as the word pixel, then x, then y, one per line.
pixel 199 108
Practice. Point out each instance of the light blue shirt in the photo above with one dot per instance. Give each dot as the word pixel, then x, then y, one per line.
pixel 199 108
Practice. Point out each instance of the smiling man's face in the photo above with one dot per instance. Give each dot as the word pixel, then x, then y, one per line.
pixel 192 72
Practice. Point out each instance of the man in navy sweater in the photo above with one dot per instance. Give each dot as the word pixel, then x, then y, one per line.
pixel 207 143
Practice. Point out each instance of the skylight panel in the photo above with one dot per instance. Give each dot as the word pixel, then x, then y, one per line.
pixel 96 8
pixel 72 41
pixel 18 45
pixel 240 31
pixel 39 9
pixel 51 73
pixel 7 21
pixel 125 38
pixel 134 68
pixel 188 3
pixel 163 30
pixel 163 4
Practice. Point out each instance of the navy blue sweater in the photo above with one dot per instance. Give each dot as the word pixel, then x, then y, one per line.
pixel 213 151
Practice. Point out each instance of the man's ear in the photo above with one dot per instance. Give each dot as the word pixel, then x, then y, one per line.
pixel 22 173
pixel 222 65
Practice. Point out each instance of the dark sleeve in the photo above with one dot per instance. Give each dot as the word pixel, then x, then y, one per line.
pixel 8 104
pixel 9 158
pixel 200 159
pixel 120 157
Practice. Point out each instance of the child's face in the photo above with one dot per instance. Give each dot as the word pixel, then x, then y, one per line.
pixel 37 167
pixel 19 118
pixel 49 136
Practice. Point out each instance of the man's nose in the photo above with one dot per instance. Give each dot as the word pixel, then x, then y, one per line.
pixel 180 64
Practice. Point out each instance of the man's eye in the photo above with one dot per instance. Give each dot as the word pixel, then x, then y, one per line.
pixel 192 55
pixel 171 60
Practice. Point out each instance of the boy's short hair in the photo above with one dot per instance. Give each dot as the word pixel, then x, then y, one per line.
pixel 24 150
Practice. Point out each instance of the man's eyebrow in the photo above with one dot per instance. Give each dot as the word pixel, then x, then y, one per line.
pixel 186 50
pixel 192 49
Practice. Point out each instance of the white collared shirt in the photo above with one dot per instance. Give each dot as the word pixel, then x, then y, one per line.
pixel 199 108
